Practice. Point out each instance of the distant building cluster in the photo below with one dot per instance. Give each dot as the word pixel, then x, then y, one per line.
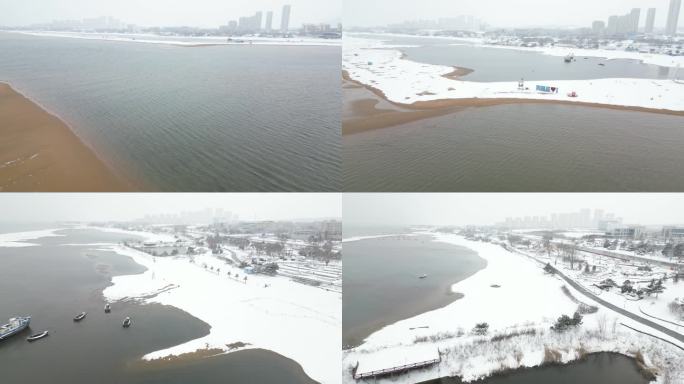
pixel 629 24
pixel 103 23
pixel 461 22
pixel 580 219
pixel 204 216
pixel 258 24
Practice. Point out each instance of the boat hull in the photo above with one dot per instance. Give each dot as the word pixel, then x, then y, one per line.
pixel 24 323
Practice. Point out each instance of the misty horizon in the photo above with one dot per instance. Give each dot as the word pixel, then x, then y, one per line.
pixel 499 14
pixel 489 209
pixel 77 207
pixel 199 14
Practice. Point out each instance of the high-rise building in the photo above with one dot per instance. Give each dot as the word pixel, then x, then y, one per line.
pixel 611 29
pixel 650 20
pixel 624 24
pixel 673 17
pixel 634 17
pixel 598 27
pixel 285 20
pixel 269 21
pixel 257 21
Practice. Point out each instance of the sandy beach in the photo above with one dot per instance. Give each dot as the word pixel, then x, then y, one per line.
pixel 39 152
pixel 368 117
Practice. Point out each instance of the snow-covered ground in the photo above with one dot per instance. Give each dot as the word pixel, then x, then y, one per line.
pixel 359 238
pixel 404 81
pixel 515 297
pixel 20 239
pixel 653 308
pixel 295 320
pixel 186 41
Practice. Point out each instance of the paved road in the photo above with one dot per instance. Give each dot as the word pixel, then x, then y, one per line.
pixel 619 310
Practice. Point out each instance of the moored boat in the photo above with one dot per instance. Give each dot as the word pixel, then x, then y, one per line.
pixel 127 322
pixel 80 316
pixel 37 336
pixel 14 326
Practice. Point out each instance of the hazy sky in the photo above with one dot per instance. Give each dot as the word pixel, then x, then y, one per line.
pixel 484 209
pixel 205 13
pixel 498 13
pixel 28 207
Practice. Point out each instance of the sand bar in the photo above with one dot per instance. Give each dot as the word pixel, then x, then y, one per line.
pixel 40 153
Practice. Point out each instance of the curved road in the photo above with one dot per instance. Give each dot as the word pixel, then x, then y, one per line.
pixel 619 310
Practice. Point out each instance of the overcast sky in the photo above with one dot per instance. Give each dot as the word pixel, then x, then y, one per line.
pixel 485 209
pixel 204 13
pixel 498 13
pixel 48 207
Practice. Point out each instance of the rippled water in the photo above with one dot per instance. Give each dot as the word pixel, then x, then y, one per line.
pixel 521 147
pixel 216 118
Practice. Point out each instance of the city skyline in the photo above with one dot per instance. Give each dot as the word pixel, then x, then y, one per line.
pixel 201 13
pixel 358 13
pixel 489 209
pixel 130 207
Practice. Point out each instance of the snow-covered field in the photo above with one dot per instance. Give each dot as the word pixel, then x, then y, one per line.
pixel 404 81
pixel 20 239
pixel 186 41
pixel 515 297
pixel 297 321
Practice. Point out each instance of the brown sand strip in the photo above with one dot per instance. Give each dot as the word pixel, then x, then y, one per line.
pixel 369 119
pixel 39 153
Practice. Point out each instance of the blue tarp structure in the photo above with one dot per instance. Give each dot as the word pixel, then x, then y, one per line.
pixel 546 89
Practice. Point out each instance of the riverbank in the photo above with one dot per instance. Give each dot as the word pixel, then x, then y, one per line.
pixel 519 308
pixel 185 41
pixel 410 84
pixel 383 282
pixel 298 321
pixel 40 153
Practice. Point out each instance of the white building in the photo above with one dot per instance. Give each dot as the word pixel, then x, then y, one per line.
pixel 285 20
pixel 673 17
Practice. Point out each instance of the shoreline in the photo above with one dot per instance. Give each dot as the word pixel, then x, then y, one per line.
pixel 314 313
pixel 443 296
pixel 41 153
pixel 372 119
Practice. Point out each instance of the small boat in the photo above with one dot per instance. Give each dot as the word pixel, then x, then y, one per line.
pixel 422 276
pixel 80 316
pixel 107 308
pixel 569 58
pixel 127 322
pixel 37 336
pixel 14 326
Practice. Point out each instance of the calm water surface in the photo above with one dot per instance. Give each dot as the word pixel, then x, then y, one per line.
pixel 521 147
pixel 381 284
pixel 216 118
pixel 53 282
pixel 499 64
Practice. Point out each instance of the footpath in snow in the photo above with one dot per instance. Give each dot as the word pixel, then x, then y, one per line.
pixel 384 68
